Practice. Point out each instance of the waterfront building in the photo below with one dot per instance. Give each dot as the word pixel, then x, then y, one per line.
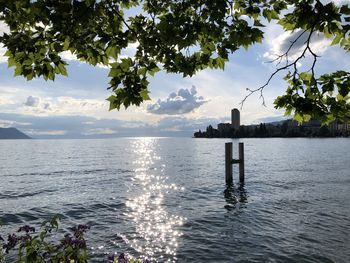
pixel 339 127
pixel 225 129
pixel 235 119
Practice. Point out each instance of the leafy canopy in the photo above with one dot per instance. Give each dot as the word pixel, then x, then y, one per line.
pixel 177 37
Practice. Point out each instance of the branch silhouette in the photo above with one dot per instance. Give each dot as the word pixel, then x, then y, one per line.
pixel 288 64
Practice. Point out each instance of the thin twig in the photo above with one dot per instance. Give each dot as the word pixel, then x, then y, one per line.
pixel 286 66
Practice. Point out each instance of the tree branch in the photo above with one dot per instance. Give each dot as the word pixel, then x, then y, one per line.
pixel 286 66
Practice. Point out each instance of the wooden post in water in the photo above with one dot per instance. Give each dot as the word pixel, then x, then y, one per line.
pixel 228 162
pixel 241 162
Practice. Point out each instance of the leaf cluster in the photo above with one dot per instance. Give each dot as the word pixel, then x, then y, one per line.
pixel 175 36
pixel 33 247
pixel 325 98
pixel 181 37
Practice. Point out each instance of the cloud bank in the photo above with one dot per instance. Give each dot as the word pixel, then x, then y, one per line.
pixel 278 46
pixel 184 101
pixel 32 101
pixel 49 127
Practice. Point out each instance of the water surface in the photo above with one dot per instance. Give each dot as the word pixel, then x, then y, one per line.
pixel 165 198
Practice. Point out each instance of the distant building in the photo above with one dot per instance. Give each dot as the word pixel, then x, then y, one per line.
pixel 285 128
pixel 339 127
pixel 235 119
pixel 225 129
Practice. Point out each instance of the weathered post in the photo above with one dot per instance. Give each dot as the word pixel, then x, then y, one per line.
pixel 228 162
pixel 241 162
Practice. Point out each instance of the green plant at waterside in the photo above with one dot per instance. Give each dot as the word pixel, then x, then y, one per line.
pixel 33 247
pixel 2 255
pixel 43 247
pixel 183 37
pixel 123 258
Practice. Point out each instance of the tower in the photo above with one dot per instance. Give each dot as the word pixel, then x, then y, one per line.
pixel 235 119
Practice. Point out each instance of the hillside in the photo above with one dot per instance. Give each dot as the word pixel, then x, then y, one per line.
pixel 12 133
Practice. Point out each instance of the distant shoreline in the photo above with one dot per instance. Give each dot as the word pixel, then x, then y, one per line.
pixel 284 129
pixel 12 134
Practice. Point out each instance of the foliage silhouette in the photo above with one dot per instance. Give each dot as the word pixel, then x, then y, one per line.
pixel 178 37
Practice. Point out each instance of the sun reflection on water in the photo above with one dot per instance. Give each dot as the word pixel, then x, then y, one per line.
pixel 157 230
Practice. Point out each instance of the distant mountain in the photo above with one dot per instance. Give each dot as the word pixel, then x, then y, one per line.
pixel 12 133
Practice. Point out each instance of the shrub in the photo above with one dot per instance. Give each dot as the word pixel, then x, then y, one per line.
pixel 43 247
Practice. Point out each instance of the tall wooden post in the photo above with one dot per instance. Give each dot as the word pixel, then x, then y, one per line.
pixel 241 162
pixel 228 162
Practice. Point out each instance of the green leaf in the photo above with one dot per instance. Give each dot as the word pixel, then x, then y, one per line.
pixel 142 71
pixel 125 64
pixel 153 71
pixel 66 43
pixel 221 62
pixel 8 53
pixel 258 23
pixel 298 117
pixel 306 117
pixel 114 72
pixel 112 102
pixel 62 69
pixel 337 39
pixel 11 62
pixel 112 51
pixel 340 97
pixel 305 76
pixel 18 70
pixel 274 14
pixel 144 94
pixel 30 76
pixel 326 33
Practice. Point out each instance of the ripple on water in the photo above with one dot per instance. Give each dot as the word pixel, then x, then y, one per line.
pixel 165 199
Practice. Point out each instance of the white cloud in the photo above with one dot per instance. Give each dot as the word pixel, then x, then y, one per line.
pixel 88 122
pixel 10 123
pixel 337 2
pixel 3 29
pixel 129 51
pixel 67 55
pixel 3 59
pixel 64 105
pixel 99 131
pixel 47 132
pixel 69 104
pixel 32 101
pixel 225 90
pixel 133 125
pixel 278 41
pixel 184 101
pixel 278 45
pixel 6 100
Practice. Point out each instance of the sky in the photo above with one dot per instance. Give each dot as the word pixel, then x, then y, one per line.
pixel 76 106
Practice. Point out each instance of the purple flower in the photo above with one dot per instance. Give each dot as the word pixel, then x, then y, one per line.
pixel 80 243
pixel 25 238
pixel 83 227
pixel 26 229
pixel 123 258
pixel 67 240
pixel 111 257
pixel 146 261
pixel 79 230
pixel 11 242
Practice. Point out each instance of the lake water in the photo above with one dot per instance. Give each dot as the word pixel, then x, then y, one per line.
pixel 165 198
